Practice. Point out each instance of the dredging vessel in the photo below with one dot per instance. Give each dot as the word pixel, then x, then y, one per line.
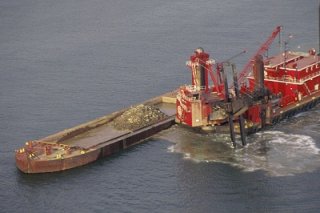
pixel 266 91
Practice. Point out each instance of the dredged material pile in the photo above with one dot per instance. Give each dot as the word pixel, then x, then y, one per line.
pixel 138 117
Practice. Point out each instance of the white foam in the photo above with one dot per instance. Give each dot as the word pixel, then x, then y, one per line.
pixel 275 152
pixel 295 141
pixel 171 148
pixel 187 156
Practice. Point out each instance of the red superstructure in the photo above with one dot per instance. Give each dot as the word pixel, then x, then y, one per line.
pixel 291 75
pixel 194 102
pixel 277 87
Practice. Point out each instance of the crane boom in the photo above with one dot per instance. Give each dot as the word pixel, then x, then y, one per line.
pixel 264 47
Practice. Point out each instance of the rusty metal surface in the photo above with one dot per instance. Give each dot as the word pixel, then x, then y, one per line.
pixel 29 165
pixel 87 142
pixel 28 162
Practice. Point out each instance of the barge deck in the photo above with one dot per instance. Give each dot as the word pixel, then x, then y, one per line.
pixel 95 139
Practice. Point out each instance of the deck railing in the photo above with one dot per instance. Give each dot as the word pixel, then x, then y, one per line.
pixel 290 79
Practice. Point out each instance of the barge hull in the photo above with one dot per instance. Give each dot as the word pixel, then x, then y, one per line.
pixel 91 141
pixel 102 150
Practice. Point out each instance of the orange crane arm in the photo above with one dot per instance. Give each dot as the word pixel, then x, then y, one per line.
pixel 264 47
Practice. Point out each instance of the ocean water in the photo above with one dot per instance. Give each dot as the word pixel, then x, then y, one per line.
pixel 65 62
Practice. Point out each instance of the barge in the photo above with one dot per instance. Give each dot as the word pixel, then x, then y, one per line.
pixel 98 138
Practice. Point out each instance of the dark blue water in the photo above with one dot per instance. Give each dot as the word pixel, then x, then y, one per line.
pixel 68 61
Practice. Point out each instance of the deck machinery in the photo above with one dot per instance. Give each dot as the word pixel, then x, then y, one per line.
pixel 266 90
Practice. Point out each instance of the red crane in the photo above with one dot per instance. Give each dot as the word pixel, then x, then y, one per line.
pixel 263 48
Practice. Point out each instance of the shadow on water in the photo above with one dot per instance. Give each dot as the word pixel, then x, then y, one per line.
pixel 288 148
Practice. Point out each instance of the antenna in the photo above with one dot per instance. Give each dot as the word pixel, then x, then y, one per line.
pixel 285 51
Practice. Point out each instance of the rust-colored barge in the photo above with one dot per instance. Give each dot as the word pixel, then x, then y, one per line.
pixel 98 138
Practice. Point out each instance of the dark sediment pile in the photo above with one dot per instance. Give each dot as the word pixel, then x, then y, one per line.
pixel 138 117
